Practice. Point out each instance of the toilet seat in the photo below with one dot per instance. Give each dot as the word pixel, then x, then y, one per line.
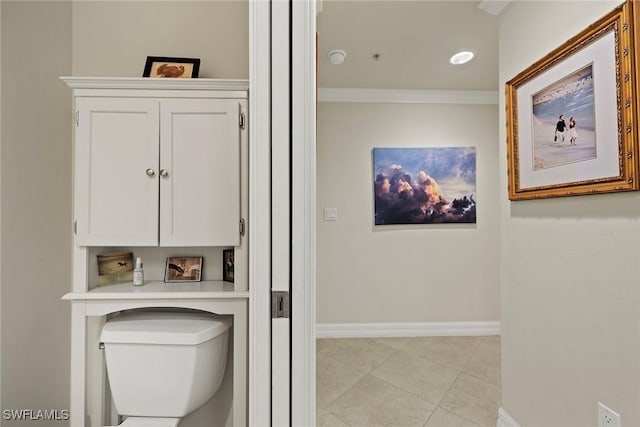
pixel 150 422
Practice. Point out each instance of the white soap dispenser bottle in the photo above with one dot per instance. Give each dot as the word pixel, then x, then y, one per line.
pixel 138 273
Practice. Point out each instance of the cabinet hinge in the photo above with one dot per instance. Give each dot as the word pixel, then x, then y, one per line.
pixel 77 118
pixel 241 120
pixel 242 227
pixel 279 304
pixel 75 227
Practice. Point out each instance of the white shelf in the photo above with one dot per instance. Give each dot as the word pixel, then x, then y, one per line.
pixel 215 289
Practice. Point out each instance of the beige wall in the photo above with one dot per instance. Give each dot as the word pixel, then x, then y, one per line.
pixel 396 273
pixel 36 206
pixel 570 304
pixel 114 38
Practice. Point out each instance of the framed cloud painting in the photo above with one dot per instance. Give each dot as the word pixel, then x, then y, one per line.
pixel 424 185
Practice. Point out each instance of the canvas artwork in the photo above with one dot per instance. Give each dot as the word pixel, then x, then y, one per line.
pixel 564 121
pixel 424 185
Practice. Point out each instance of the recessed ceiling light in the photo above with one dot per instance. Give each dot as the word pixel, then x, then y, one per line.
pixel 461 57
pixel 337 56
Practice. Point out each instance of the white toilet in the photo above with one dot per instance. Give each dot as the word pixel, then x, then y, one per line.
pixel 164 365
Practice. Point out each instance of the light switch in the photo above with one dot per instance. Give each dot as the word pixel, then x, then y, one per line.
pixel 330 214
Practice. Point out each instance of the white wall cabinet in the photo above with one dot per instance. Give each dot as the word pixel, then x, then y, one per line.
pixel 158 162
pixel 158 168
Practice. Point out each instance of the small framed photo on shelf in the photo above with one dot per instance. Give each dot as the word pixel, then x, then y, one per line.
pixel 183 269
pixel 173 68
pixel 227 265
pixel 115 267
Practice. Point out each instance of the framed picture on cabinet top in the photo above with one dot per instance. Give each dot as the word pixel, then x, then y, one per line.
pixel 183 269
pixel 175 68
pixel 571 115
pixel 227 265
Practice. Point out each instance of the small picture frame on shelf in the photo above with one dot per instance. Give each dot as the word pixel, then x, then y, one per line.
pixel 227 265
pixel 173 68
pixel 115 267
pixel 183 269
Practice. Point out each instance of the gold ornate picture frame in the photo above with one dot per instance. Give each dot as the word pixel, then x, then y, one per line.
pixel 572 115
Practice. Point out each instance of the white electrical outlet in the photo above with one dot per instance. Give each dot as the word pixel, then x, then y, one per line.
pixel 607 417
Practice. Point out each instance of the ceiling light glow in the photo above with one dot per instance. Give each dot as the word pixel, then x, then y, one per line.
pixel 461 57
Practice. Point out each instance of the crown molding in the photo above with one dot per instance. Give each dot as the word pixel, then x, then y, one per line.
pixel 407 96
pixel 154 83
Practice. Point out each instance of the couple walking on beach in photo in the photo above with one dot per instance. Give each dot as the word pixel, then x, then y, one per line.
pixel 561 129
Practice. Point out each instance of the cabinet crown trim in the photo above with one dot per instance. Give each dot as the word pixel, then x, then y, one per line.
pixel 154 83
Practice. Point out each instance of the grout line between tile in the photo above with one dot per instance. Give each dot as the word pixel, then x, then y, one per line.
pixel 451 386
pixel 475 376
pixel 332 401
pixel 408 392
pixel 341 419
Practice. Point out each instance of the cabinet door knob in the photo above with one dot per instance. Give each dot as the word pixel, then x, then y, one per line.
pixel 150 172
pixel 164 173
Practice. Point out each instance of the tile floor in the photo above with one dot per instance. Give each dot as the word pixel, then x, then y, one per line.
pixel 424 382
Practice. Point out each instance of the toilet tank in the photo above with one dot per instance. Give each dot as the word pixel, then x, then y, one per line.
pixel 164 364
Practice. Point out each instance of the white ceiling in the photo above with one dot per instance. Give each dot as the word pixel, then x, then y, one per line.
pixel 415 40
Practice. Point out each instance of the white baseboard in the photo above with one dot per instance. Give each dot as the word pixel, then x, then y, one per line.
pixel 427 329
pixel 505 420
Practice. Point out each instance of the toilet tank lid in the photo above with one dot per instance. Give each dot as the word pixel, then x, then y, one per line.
pixel 163 328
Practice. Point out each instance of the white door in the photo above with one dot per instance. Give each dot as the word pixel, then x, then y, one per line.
pixel 200 172
pixel 293 209
pixel 282 79
pixel 281 212
pixel 303 212
pixel 117 172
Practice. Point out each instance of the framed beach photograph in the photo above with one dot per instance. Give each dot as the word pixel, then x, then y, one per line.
pixel 175 68
pixel 424 185
pixel 183 269
pixel 570 116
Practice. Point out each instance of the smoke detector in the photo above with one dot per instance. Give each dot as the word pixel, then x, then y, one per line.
pixel 337 56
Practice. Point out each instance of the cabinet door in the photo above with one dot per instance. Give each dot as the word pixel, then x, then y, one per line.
pixel 200 172
pixel 116 168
